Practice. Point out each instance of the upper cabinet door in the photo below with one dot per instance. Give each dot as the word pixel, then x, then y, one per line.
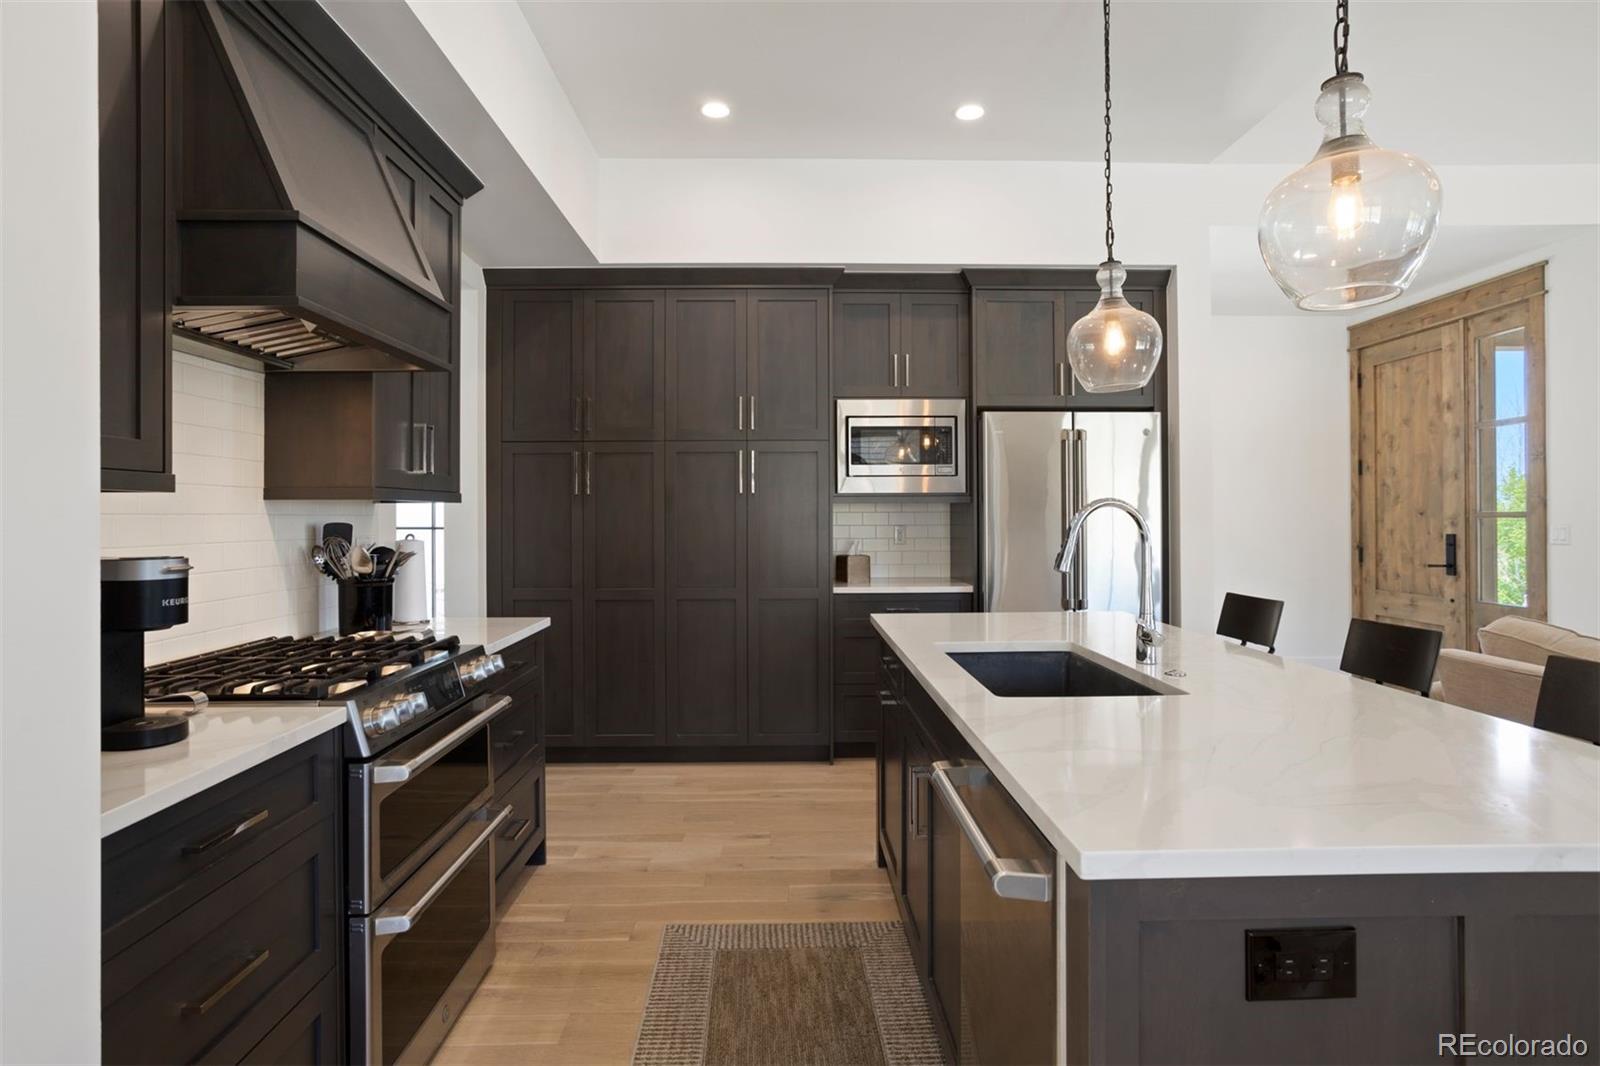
pixel 788 365
pixel 540 368
pixel 1020 348
pixel 933 344
pixel 135 326
pixel 1080 303
pixel 624 366
pixel 707 382
pixel 866 343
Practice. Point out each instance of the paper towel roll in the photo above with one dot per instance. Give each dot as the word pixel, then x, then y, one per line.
pixel 411 583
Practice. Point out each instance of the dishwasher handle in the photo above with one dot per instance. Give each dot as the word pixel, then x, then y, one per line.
pixel 1010 878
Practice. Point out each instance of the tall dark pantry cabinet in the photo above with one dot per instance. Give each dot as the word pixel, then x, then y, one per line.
pixel 660 486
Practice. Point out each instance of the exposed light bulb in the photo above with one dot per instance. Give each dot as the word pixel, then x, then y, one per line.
pixel 1116 341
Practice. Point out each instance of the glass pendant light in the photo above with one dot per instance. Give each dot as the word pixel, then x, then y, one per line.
pixel 1351 227
pixel 1115 347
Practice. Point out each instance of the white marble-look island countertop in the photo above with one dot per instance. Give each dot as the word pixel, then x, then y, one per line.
pixel 1261 767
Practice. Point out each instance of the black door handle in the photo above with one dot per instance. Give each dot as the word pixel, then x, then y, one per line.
pixel 1449 564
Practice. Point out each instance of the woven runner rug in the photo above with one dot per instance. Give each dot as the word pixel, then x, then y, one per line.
pixel 799 994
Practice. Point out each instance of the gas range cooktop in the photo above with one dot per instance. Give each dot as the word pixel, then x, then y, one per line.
pixel 297 668
pixel 392 684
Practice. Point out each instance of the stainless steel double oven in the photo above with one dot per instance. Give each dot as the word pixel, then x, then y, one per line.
pixel 420 866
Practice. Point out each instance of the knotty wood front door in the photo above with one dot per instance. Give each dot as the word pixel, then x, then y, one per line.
pixel 1412 500
pixel 1448 507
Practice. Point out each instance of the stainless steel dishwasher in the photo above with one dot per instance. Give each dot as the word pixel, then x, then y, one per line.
pixel 1007 941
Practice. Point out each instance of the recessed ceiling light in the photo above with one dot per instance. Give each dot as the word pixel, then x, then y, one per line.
pixel 969 112
pixel 715 109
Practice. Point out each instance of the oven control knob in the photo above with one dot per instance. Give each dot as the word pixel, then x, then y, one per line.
pixel 480 669
pixel 415 704
pixel 497 663
pixel 369 721
pixel 389 715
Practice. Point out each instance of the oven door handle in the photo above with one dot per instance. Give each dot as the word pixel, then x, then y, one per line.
pixel 390 923
pixel 389 773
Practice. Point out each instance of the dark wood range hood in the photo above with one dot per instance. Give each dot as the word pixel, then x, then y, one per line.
pixel 301 237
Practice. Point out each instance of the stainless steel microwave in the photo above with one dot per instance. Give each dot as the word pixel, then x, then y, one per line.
pixel 900 447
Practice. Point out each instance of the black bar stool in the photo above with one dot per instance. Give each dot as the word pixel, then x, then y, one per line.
pixel 1569 698
pixel 1250 620
pixel 1390 654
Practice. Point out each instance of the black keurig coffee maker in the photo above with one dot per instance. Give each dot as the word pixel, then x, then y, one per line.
pixel 136 596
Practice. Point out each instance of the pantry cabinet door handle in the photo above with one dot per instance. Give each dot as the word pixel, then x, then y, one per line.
pixel 741 412
pixel 575 465
pixel 251 964
pixel 433 448
pixel 894 369
pixel 1061 379
pixel 588 414
pixel 752 412
pixel 752 471
pixel 908 370
pixel 249 823
pixel 577 413
pixel 588 474
pixel 741 471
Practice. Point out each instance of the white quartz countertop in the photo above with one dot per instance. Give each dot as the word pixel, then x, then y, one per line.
pixel 903 586
pixel 229 738
pixel 495 634
pixel 1264 767
pixel 221 743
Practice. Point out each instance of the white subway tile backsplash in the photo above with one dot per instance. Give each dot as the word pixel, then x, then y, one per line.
pixel 867 527
pixel 251 578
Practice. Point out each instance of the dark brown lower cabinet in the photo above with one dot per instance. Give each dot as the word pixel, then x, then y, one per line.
pixel 856 648
pixel 221 928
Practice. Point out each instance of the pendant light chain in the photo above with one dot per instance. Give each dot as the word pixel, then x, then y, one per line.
pixel 1111 230
pixel 1341 37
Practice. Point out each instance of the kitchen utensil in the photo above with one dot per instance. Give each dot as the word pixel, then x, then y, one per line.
pixel 338 555
pixel 319 559
pixel 361 561
pixel 383 558
pixel 343 530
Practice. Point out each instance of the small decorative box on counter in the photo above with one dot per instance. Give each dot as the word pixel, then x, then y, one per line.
pixel 852 569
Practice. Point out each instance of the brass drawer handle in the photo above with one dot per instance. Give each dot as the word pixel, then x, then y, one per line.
pixel 227 834
pixel 251 965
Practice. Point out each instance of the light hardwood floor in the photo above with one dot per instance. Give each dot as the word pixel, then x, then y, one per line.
pixel 632 848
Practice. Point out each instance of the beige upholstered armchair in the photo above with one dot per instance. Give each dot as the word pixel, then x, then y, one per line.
pixel 1503 679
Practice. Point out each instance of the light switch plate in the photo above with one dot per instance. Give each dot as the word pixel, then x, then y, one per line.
pixel 899 534
pixel 1561 535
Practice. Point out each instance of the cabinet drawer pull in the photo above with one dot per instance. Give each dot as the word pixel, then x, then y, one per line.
pixel 519 829
pixel 1010 878
pixel 919 828
pixel 251 965
pixel 227 834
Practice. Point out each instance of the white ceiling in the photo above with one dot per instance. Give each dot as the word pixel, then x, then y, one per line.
pixel 1511 81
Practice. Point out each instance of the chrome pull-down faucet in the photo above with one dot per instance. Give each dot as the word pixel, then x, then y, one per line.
pixel 1147 639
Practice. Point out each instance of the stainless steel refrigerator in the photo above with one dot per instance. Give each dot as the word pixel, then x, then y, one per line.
pixel 1035 468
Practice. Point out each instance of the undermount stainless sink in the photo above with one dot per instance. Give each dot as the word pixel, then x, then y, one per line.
pixel 1047 673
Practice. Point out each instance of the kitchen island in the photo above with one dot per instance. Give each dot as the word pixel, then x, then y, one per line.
pixel 1256 861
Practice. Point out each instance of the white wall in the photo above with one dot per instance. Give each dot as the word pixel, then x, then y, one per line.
pixel 1572 413
pixel 1281 474
pixel 466 523
pixel 866 527
pixel 49 499
pixel 251 578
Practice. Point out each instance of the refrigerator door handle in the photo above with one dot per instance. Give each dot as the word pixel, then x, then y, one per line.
pixel 1069 493
pixel 1080 463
